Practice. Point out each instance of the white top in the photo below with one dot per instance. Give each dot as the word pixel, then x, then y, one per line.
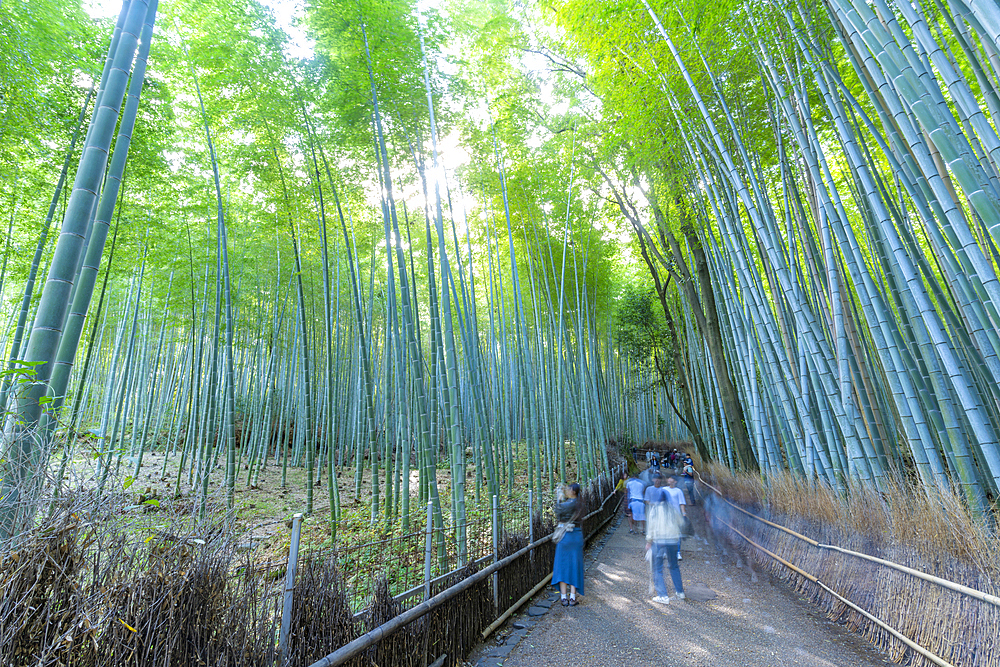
pixel 635 488
pixel 676 497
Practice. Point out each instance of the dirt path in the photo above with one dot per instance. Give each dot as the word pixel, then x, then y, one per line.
pixel 747 625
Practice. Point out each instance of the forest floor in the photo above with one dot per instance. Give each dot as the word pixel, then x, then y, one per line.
pixel 262 511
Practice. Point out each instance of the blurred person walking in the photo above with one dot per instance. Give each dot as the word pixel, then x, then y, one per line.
pixel 663 538
pixel 676 496
pixel 688 473
pixel 635 508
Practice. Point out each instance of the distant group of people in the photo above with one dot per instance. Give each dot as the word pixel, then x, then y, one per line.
pixel 673 459
pixel 680 461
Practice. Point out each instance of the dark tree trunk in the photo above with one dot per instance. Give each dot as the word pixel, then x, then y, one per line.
pixel 656 262
pixel 706 316
pixel 686 411
pixel 702 305
pixel 708 323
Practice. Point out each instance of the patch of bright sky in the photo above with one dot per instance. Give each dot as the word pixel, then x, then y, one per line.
pixel 102 9
pixel 288 14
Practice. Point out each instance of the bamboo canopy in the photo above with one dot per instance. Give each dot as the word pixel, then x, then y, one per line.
pixel 767 229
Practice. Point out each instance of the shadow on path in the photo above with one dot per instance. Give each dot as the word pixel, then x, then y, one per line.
pixel 748 625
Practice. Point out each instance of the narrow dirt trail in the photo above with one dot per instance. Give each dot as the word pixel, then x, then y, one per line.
pixel 748 625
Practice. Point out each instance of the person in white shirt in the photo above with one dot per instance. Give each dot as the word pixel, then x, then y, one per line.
pixel 677 498
pixel 663 539
pixel 634 487
pixel 676 495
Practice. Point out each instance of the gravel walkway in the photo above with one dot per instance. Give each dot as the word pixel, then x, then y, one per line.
pixel 747 625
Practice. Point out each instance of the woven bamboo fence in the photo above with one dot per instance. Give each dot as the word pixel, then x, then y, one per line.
pixel 955 628
pixel 88 591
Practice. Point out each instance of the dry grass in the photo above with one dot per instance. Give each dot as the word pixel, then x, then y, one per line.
pixel 932 532
pixel 930 523
pixel 85 591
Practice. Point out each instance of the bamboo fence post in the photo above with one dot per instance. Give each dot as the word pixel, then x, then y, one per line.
pixel 286 607
pixel 496 554
pixel 531 524
pixel 428 549
pixel 428 554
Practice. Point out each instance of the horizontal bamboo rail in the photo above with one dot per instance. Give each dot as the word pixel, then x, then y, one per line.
pixel 951 585
pixel 530 594
pixel 524 598
pixel 891 630
pixel 372 637
pixel 348 651
pixel 406 595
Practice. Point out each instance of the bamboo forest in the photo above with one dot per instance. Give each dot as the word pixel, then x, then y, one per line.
pixel 353 272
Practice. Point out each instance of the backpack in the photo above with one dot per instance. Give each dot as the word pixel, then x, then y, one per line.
pixel 663 522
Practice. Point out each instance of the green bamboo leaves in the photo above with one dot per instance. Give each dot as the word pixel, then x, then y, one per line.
pixel 850 228
pixel 449 359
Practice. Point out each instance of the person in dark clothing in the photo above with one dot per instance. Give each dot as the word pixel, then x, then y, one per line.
pixel 688 473
pixel 567 568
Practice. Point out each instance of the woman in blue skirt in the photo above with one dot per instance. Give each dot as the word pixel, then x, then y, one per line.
pixel 567 570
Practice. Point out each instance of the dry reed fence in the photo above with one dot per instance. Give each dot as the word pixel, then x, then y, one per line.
pixel 454 628
pixel 88 588
pixel 904 525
